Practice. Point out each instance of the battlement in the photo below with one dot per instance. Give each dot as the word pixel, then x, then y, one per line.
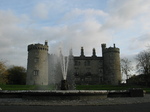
pixel 37 47
pixel 110 49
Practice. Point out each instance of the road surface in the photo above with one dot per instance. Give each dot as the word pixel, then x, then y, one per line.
pixel 142 107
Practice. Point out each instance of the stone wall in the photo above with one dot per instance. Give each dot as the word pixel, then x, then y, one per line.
pixel 111 65
pixel 37 66
pixel 87 69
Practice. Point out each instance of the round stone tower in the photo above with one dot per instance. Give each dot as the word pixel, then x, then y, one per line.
pixel 37 65
pixel 111 65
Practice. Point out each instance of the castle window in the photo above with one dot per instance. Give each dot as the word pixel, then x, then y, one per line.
pixel 76 70
pixel 88 63
pixel 85 63
pixel 35 72
pixel 36 59
pixel 101 79
pixel 36 53
pixel 100 70
pixel 88 69
pixel 88 79
pixel 77 79
pixel 76 63
pixel 100 63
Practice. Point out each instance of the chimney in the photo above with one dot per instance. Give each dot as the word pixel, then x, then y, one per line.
pixel 46 42
pixel 94 52
pixel 82 51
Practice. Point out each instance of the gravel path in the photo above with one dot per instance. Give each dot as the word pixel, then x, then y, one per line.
pixel 107 101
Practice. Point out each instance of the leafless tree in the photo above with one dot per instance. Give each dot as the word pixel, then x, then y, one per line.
pixel 143 62
pixel 126 67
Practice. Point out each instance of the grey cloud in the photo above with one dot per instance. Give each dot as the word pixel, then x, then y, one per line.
pixel 140 42
pixel 125 13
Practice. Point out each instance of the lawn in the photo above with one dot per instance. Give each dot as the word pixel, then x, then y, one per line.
pixel 110 87
pixel 25 87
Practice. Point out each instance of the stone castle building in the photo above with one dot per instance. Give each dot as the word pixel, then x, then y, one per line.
pixel 93 69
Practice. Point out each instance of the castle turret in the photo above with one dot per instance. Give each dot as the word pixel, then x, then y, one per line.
pixel 37 66
pixel 111 65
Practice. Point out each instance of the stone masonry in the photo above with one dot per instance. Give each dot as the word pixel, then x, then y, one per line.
pixel 88 70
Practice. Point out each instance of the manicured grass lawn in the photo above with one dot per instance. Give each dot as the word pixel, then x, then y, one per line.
pixel 109 87
pixel 25 87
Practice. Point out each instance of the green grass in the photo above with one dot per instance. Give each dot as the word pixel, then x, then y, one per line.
pixel 109 87
pixel 25 87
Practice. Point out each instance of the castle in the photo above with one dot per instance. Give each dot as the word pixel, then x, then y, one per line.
pixel 86 70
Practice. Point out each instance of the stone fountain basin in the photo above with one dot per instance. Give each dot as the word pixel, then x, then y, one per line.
pixel 55 94
pixel 70 94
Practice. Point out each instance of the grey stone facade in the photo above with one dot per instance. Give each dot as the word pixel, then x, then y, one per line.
pixel 98 70
pixel 37 66
pixel 88 70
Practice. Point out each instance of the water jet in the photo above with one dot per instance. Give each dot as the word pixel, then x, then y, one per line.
pixel 60 67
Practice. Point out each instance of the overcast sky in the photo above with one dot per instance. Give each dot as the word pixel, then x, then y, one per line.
pixel 73 24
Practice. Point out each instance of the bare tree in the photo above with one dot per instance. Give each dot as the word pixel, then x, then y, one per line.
pixel 126 67
pixel 143 62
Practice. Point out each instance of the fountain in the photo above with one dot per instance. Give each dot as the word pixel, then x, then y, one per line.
pixel 64 61
pixel 60 66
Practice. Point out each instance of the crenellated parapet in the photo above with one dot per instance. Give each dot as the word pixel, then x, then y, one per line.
pixel 37 47
pixel 110 49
